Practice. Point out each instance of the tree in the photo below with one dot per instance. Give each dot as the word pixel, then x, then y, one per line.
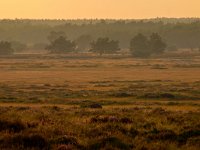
pixel 6 48
pixel 55 35
pixel 61 45
pixel 104 46
pixel 139 46
pixel 83 42
pixel 156 44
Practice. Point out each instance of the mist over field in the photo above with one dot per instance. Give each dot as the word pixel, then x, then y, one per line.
pixel 99 83
pixel 34 34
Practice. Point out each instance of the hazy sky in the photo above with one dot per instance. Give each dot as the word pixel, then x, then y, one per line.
pixel 71 9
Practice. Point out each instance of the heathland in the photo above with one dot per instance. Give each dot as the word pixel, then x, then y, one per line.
pixel 78 101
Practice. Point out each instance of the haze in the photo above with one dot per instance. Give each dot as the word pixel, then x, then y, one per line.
pixel 73 9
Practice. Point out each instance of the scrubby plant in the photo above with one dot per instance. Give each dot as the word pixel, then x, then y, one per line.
pixel 6 48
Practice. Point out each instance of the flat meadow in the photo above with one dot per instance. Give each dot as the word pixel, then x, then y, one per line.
pixel 99 102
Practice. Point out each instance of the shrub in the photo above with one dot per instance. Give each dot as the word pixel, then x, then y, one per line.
pixel 66 140
pixel 194 141
pixel 104 119
pixel 65 147
pixel 6 48
pixel 159 95
pixel 167 95
pixel 12 126
pixel 31 141
pixel 121 94
pixel 91 105
pixel 126 120
pixel 165 135
pixel 133 132
pixel 184 136
pixel 158 111
pixel 113 142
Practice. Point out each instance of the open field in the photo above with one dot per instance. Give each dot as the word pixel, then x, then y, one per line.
pixel 54 102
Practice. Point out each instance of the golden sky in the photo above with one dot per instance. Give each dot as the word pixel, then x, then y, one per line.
pixel 72 9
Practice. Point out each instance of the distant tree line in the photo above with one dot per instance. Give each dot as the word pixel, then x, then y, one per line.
pixel 101 36
pixel 140 45
pixel 178 33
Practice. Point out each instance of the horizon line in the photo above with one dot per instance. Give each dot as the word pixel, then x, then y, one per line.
pixel 99 18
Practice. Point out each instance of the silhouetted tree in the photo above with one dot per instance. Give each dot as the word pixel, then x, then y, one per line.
pixel 156 44
pixel 139 46
pixel 61 45
pixel 104 46
pixel 184 33
pixel 6 48
pixel 83 42
pixel 55 35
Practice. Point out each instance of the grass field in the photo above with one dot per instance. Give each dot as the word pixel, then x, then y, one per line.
pixel 54 102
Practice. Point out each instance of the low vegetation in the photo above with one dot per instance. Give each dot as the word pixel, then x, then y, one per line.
pixel 65 102
pixel 73 127
pixel 5 48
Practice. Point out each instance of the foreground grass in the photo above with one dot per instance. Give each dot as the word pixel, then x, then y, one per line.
pixel 110 127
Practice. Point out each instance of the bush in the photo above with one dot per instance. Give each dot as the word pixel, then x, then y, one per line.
pixel 158 111
pixel 6 48
pixel 194 141
pixel 159 95
pixel 167 95
pixel 104 119
pixel 184 136
pixel 164 135
pixel 122 94
pixel 91 105
pixel 66 140
pixel 126 120
pixel 34 141
pixel 133 132
pixel 113 142
pixel 65 147
pixel 12 126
